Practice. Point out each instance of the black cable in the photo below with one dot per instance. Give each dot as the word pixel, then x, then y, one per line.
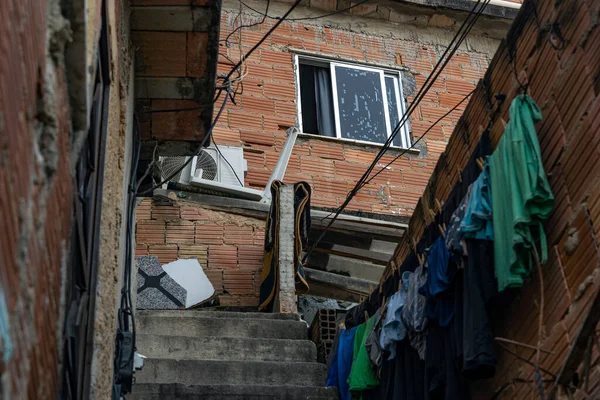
pixel 459 38
pixel 189 160
pixel 228 163
pixel 308 18
pixel 419 139
pixel 264 15
pixel 257 45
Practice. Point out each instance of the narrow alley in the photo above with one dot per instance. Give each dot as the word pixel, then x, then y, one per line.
pixel 300 199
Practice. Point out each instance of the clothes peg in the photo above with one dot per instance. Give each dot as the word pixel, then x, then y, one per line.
pixel 366 315
pixel 414 244
pixel 438 204
pixel 480 130
pixel 459 174
pixel 431 212
pixel 504 124
pixel 442 231
pixel 480 163
pixel 399 284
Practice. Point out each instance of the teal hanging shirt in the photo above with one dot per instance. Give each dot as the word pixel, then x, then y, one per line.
pixel 362 376
pixel 521 196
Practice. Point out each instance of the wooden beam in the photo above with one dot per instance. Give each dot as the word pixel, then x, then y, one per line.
pixel 369 256
pixel 327 284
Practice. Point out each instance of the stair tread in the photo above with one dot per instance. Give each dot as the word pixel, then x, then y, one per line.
pixel 205 372
pixel 218 314
pixel 220 391
pixel 225 348
pixel 222 326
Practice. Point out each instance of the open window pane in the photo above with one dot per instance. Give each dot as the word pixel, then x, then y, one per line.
pixel 391 87
pixel 316 100
pixel 360 104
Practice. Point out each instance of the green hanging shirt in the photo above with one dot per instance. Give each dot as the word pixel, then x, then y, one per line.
pixel 521 196
pixel 362 376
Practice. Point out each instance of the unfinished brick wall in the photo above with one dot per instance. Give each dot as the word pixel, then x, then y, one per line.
pixel 563 78
pixel 267 105
pixel 229 247
pixel 35 208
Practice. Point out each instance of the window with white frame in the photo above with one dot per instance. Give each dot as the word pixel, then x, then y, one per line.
pixel 349 101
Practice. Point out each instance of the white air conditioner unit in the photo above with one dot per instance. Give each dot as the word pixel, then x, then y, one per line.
pixel 171 164
pixel 225 166
pixel 214 170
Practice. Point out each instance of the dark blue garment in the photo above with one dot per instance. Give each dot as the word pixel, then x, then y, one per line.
pixel 340 367
pixel 440 274
pixel 437 262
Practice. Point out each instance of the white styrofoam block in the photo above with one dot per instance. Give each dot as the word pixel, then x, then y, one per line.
pixel 189 274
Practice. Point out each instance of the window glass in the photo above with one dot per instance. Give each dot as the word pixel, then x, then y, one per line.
pixel 350 102
pixel 392 91
pixel 360 104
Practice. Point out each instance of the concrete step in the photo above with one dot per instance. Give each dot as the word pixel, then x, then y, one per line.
pixel 196 372
pixel 204 325
pixel 217 314
pixel 230 392
pixel 225 348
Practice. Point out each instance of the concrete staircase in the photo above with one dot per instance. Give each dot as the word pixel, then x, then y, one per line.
pixel 214 355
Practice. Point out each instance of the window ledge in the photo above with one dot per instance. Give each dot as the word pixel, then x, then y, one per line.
pixel 394 149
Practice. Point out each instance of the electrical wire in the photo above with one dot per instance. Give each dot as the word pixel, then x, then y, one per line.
pixel 264 17
pixel 189 160
pixel 228 163
pixel 228 88
pixel 269 32
pixel 419 139
pixel 456 41
pixel 308 18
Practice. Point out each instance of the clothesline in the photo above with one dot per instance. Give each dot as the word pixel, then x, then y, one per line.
pixel 480 247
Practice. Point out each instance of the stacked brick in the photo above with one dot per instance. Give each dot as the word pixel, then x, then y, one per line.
pixel 229 247
pixel 322 332
pixel 267 105
pixel 563 77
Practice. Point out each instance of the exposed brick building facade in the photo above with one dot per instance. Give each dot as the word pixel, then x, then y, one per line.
pixel 562 76
pixel 379 34
pixel 229 247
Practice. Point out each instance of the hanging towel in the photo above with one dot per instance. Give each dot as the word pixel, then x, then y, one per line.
pixel 521 196
pixel 339 370
pixel 362 376
pixel 270 273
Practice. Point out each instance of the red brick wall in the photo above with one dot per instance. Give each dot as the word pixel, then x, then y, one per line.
pixel 564 83
pixel 268 105
pixel 36 184
pixel 229 247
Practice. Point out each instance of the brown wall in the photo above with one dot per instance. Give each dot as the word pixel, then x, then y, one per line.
pixel 229 247
pixel 564 83
pixel 268 102
pixel 36 184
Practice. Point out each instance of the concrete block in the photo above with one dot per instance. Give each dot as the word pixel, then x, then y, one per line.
pixel 193 372
pixel 230 392
pixel 226 348
pixel 221 327
pixel 170 19
pixel 171 88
